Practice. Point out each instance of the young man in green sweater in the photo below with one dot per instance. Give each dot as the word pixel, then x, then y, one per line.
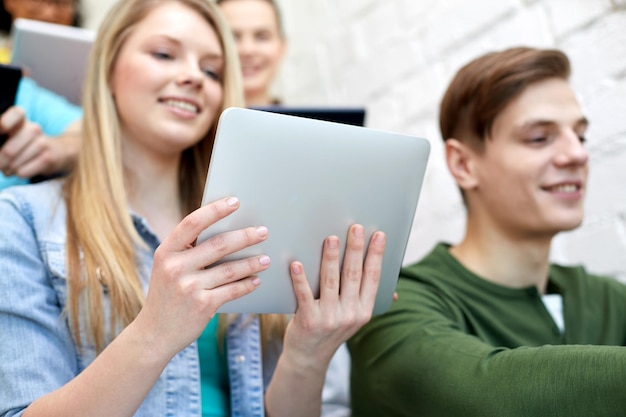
pixel 489 327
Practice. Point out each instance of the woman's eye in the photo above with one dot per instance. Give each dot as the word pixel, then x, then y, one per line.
pixel 212 74
pixel 237 35
pixel 263 36
pixel 162 55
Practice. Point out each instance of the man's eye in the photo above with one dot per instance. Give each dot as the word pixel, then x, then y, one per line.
pixel 539 139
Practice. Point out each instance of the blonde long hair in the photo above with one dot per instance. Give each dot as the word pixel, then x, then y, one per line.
pixel 101 238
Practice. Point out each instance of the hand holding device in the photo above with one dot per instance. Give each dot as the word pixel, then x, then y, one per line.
pixel 308 179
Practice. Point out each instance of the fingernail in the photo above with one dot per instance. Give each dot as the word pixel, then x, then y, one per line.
pixel 379 237
pixel 358 231
pixel 256 281
pixel 333 242
pixel 296 268
pixel 232 201
pixel 264 260
pixel 262 231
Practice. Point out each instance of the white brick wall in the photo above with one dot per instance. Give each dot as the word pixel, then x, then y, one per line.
pixel 396 57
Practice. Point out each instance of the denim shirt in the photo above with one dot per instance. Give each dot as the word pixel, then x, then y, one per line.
pixel 37 349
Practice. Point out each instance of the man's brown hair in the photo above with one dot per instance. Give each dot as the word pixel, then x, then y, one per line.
pixel 484 87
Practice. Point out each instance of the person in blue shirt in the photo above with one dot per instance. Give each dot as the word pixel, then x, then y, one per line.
pixel 104 289
pixel 39 114
pixel 44 135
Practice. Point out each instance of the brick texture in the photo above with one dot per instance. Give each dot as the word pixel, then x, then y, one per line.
pixel 396 57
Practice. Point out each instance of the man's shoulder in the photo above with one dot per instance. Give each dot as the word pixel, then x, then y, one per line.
pixel 438 263
pixel 577 276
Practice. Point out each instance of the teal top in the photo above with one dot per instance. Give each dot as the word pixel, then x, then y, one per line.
pixel 213 372
pixel 455 344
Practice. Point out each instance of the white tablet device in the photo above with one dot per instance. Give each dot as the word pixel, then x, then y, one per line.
pixel 308 179
pixel 55 56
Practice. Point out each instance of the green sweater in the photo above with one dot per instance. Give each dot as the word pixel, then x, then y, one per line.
pixel 457 345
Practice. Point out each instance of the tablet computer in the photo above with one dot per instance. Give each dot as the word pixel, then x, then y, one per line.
pixel 348 115
pixel 307 179
pixel 55 56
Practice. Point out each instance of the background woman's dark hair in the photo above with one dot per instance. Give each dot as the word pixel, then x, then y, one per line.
pixel 6 21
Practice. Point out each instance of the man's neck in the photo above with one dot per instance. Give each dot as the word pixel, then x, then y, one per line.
pixel 511 262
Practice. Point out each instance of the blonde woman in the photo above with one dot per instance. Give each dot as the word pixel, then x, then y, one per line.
pixel 104 293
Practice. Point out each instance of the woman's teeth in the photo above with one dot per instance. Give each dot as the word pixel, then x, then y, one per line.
pixel 182 105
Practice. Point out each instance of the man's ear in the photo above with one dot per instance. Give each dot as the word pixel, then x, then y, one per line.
pixel 461 164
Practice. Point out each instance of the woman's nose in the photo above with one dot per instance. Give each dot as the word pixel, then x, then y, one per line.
pixel 190 75
pixel 245 45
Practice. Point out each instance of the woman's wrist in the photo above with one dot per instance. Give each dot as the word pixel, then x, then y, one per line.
pixel 147 343
pixel 307 362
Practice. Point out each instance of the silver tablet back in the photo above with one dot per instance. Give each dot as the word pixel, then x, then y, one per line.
pixel 305 180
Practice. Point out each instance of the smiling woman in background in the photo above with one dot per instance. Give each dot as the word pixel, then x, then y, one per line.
pixel 258 32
